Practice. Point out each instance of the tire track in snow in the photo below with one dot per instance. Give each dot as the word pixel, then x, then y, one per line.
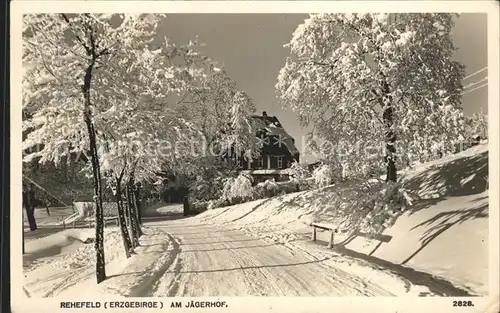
pixel 252 269
pixel 289 279
pixel 354 282
pixel 69 280
pixel 374 289
pixel 299 278
pixel 150 283
pixel 174 285
pixel 217 264
pixel 211 270
pixel 252 281
pixel 269 276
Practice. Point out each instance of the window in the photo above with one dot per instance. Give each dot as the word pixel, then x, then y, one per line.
pixel 260 163
pixel 280 162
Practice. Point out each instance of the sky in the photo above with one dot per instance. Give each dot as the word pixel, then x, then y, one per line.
pixel 250 47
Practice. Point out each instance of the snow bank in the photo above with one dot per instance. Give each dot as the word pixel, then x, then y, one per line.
pixel 63 264
pixel 62 242
pixel 134 277
pixel 444 233
pixel 58 261
pixel 162 209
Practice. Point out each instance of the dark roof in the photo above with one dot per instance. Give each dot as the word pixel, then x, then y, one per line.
pixel 272 127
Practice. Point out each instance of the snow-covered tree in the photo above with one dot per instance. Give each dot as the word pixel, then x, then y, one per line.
pixel 298 172
pixel 374 83
pixel 476 125
pixel 222 115
pixel 89 77
pixel 242 132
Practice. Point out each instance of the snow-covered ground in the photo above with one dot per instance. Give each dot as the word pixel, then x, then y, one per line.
pixel 63 264
pixel 161 209
pixel 439 246
pixel 55 216
pixel 444 234
pixel 181 258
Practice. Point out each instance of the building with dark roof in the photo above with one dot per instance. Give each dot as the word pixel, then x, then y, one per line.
pixel 278 150
pixel 277 154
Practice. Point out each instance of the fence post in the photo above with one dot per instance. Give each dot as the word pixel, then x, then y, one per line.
pixel 64 224
pixel 330 244
pixel 314 234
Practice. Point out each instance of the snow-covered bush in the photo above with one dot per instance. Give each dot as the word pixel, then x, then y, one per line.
pixel 476 125
pixel 198 206
pixel 323 175
pixel 266 189
pixel 299 174
pixel 387 204
pixel 238 189
pixel 204 189
pixel 363 206
pixel 217 203
pixel 206 179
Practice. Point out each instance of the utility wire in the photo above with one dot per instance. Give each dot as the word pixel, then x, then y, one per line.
pixel 476 83
pixel 476 72
pixel 473 89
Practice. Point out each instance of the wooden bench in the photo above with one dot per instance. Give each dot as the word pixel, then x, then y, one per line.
pixel 332 228
pixel 335 229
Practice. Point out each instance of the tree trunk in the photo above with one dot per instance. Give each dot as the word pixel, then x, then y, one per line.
pixel 122 220
pixel 30 213
pixel 131 215
pixel 135 213
pixel 134 207
pixel 138 228
pixel 24 205
pixel 186 206
pixel 96 172
pixel 390 137
pixel 29 205
pixel 138 203
pixel 125 210
pixel 23 239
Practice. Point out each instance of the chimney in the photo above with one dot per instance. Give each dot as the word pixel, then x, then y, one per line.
pixel 264 113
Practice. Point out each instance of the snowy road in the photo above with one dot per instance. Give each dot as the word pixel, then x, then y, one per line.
pixel 263 248
pixel 213 261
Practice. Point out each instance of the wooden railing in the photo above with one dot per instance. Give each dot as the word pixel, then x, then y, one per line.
pixel 90 223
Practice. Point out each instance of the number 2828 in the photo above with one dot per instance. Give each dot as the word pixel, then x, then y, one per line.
pixel 463 303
